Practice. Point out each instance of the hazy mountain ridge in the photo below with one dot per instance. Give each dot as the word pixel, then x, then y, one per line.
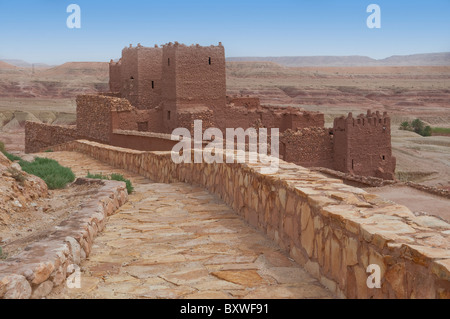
pixel 426 59
pixel 25 64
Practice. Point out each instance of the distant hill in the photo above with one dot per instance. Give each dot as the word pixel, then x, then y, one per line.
pixel 4 65
pixel 427 59
pixel 98 69
pixel 24 64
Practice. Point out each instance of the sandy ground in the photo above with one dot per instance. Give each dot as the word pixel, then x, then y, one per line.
pixel 417 201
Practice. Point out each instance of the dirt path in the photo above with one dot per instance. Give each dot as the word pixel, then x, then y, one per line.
pixel 179 241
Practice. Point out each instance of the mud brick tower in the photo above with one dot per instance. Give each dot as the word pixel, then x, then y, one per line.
pixel 362 145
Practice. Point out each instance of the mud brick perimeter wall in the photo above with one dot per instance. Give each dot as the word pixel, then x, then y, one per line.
pixel 334 230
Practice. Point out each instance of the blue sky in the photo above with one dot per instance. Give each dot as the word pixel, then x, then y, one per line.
pixel 36 31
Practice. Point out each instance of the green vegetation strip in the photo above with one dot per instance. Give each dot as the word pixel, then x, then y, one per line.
pixel 11 157
pixel 113 177
pixel 441 130
pixel 53 174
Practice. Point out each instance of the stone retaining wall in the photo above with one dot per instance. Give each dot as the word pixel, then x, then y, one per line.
pixel 45 264
pixel 334 230
pixel 39 136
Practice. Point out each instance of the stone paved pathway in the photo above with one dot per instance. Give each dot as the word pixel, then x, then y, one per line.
pixel 179 241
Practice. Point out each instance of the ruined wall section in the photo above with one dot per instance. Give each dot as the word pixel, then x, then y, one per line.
pixel 94 120
pixel 290 118
pixel 247 112
pixel 306 119
pixel 366 143
pixel 247 102
pixel 40 136
pixel 308 147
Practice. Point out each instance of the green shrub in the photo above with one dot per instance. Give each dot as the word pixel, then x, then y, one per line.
pixel 427 131
pixel 53 174
pixel 113 177
pixel 405 125
pixel 417 126
pixel 2 147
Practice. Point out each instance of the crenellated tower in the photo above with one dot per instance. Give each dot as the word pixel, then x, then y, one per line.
pixel 362 145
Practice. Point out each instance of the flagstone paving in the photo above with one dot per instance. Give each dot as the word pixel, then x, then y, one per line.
pixel 180 241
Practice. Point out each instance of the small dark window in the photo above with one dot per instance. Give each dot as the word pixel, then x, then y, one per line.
pixel 168 115
pixel 384 157
pixel 168 61
pixel 353 164
pixel 209 60
pixel 153 84
pixel 132 78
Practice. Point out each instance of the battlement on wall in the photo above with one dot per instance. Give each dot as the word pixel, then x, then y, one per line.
pixel 365 120
pixel 181 45
pixel 170 45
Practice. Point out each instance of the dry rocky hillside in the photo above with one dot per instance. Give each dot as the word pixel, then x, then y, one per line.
pixel 28 209
pixel 21 195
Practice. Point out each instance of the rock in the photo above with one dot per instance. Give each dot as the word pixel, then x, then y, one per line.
pixel 42 272
pixel 246 278
pixel 17 287
pixel 75 250
pixel 42 290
